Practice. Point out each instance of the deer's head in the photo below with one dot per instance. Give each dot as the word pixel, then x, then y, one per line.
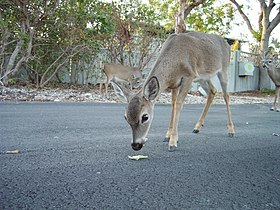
pixel 136 79
pixel 268 61
pixel 139 111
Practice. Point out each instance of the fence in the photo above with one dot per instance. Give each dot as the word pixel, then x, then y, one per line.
pixel 243 72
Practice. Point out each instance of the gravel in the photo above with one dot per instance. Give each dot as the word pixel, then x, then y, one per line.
pixel 78 94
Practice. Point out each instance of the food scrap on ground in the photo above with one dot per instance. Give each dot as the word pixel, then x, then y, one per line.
pixel 12 152
pixel 138 157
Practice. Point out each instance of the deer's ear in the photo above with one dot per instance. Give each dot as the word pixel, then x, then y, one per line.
pixel 123 93
pixel 151 89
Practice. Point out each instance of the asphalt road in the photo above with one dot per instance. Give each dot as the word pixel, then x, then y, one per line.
pixel 75 156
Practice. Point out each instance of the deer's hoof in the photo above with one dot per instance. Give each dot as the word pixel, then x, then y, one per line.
pixel 166 139
pixel 271 109
pixel 172 148
pixel 231 135
pixel 195 131
pixel 277 110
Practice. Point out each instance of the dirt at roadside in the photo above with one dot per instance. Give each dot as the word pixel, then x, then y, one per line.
pixel 57 92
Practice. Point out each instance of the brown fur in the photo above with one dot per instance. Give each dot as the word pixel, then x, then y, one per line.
pixel 126 73
pixel 184 58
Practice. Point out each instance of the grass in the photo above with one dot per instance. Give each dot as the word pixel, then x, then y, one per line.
pixel 268 91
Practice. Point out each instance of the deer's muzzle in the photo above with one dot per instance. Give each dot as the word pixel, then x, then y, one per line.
pixel 136 146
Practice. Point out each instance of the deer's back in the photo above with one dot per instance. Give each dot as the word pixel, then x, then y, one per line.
pixel 194 54
pixel 274 74
pixel 199 47
pixel 120 71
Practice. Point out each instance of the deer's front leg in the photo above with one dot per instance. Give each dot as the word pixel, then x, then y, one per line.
pixel 174 94
pixel 181 94
pixel 273 107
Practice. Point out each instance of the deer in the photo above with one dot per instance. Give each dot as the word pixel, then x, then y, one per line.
pixel 119 72
pixel 184 58
pixel 273 71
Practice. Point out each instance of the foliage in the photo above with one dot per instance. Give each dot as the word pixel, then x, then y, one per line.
pixel 47 36
pixel 74 32
pixel 137 29
pixel 274 47
pixel 211 16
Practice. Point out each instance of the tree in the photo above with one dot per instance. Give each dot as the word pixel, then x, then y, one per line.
pixel 266 24
pixel 211 16
pixel 75 37
pixel 44 36
pixel 184 11
pixel 136 30
pixel 199 15
pixel 19 22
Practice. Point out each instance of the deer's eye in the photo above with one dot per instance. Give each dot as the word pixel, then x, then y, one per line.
pixel 145 118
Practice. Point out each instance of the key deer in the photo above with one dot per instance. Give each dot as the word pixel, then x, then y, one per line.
pixel 273 71
pixel 123 73
pixel 183 59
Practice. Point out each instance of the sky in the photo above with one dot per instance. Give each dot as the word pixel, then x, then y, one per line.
pixel 242 32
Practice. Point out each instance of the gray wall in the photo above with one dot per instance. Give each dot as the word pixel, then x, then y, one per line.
pixel 238 79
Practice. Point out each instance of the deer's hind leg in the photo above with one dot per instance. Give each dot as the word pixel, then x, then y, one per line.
pixel 100 87
pixel 108 79
pixel 211 91
pixel 223 80
pixel 277 96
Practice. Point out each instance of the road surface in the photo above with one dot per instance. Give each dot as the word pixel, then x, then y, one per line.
pixel 75 156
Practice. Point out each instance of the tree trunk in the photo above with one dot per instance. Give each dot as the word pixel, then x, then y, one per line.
pixel 180 26
pixel 264 82
pixel 14 66
pixel 11 62
pixel 73 72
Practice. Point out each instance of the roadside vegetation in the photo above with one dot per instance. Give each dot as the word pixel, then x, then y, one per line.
pixel 46 37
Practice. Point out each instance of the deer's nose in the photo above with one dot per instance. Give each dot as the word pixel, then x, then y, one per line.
pixel 136 146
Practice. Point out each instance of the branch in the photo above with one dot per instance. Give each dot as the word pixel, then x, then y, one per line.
pixel 271 5
pixel 260 20
pixel 274 22
pixel 244 16
pixel 73 53
pixel 24 58
pixel 189 7
pixel 148 59
pixel 48 69
pixel 10 65
pixel 263 4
